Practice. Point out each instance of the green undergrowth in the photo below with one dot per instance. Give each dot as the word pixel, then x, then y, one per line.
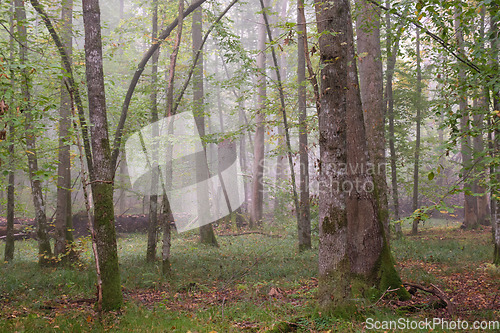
pixel 251 283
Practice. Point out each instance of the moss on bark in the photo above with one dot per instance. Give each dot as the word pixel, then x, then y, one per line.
pixel 104 224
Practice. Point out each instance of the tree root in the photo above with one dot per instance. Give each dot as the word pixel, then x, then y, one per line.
pixel 450 307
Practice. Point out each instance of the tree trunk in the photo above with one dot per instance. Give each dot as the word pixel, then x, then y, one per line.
pixel 414 229
pixel 470 202
pixel 63 222
pixel 102 177
pixel 391 64
pixel 334 267
pixel 153 198
pixel 207 235
pixel 304 227
pixel 258 153
pixel 481 107
pixel 495 144
pixel 371 261
pixel 9 241
pixel 44 250
pixel 372 98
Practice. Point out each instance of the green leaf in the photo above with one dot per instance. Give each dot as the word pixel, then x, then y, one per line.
pixel 430 175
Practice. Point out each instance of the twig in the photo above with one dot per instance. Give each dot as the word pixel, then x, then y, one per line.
pixel 388 290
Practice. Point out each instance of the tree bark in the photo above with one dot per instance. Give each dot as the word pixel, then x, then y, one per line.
pixel 102 177
pixel 372 98
pixel 334 267
pixel 207 235
pixel 258 153
pixel 416 161
pixel 44 250
pixel 63 222
pixel 304 226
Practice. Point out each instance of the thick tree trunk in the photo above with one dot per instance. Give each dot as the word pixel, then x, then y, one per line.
pixel 44 250
pixel 372 97
pixel 153 198
pixel 258 153
pixel 391 64
pixel 63 223
pixel 334 267
pixel 416 161
pixel 304 213
pixel 369 253
pixel 207 235
pixel 102 177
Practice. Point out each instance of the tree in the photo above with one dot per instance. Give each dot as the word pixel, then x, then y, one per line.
pixel 9 241
pixel 63 223
pixel 44 250
pixel 418 120
pixel 372 91
pixel 207 235
pixel 354 251
pixel 258 153
pixel 103 169
pixel 153 198
pixel 304 224
pixel 470 202
pixel 334 266
pixel 392 53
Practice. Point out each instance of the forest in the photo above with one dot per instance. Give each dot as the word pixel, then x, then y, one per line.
pixel 249 166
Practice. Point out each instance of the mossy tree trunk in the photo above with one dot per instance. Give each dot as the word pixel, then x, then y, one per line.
pixel 354 251
pixel 102 176
pixel 334 267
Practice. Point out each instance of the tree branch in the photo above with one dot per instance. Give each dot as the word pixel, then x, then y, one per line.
pixel 138 72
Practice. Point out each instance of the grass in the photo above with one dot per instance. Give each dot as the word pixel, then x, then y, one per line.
pixel 252 283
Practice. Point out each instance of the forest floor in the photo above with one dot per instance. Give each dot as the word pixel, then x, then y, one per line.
pixel 252 283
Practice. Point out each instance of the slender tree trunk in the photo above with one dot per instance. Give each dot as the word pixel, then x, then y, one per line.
pixel 372 97
pixel 207 235
pixel 414 229
pixel 481 106
pixel 63 223
pixel 153 198
pixel 44 250
pixel 495 143
pixel 103 169
pixel 280 160
pixel 9 241
pixel 304 214
pixel 334 267
pixel 258 152
pixel 470 202
pixel 391 64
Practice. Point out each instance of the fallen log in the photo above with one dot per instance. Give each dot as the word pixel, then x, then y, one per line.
pixel 450 307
